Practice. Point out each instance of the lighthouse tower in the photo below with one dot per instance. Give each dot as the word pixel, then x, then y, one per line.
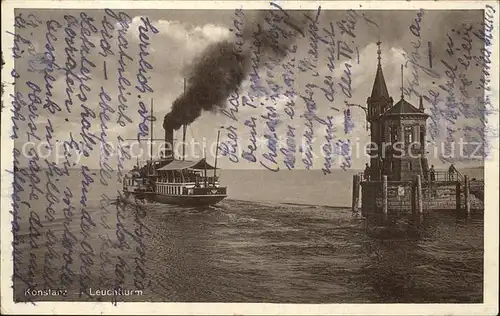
pixel 398 133
pixel 377 103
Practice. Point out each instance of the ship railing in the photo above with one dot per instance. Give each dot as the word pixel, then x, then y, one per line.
pixel 201 183
pixel 179 181
pixel 160 180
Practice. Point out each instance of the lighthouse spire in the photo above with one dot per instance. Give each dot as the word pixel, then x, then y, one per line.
pixel 379 51
pixel 379 89
pixel 402 84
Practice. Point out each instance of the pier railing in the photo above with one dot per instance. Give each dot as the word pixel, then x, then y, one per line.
pixel 445 176
pixel 439 176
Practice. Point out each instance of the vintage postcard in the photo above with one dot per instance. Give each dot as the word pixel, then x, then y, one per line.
pixel 250 158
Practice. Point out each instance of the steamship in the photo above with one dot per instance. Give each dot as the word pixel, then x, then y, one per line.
pixel 168 180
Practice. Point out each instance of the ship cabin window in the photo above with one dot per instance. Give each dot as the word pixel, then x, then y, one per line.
pixel 408 134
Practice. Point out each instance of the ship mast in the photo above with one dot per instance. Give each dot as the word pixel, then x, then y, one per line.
pixel 184 131
pixel 151 141
pixel 216 154
pixel 205 164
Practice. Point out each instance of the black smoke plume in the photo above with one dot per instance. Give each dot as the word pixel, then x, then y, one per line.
pixel 223 66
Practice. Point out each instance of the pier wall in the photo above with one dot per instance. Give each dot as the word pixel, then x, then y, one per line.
pixel 401 197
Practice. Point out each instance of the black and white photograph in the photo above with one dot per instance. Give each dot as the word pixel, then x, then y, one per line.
pixel 293 155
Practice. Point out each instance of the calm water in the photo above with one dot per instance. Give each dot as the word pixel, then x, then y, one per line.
pixel 281 237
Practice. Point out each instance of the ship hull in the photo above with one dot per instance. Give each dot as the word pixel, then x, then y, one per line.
pixel 180 200
pixel 188 200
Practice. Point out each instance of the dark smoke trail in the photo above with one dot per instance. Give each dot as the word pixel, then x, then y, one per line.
pixel 218 73
pixel 220 70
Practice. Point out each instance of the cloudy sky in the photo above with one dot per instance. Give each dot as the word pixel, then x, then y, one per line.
pixel 184 34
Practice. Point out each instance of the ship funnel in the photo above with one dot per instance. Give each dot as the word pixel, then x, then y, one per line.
pixel 169 143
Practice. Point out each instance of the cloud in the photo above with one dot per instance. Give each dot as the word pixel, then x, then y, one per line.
pixel 181 42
